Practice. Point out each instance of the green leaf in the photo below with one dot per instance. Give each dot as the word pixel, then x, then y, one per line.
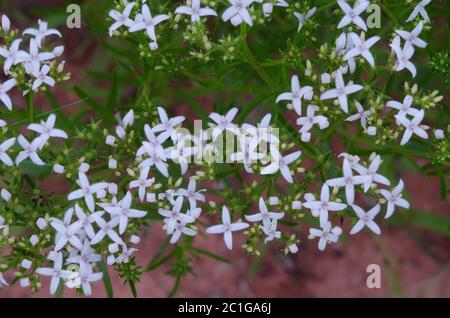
pixel 106 278
pixel 197 250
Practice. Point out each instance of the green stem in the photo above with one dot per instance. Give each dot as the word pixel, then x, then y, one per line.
pixel 30 107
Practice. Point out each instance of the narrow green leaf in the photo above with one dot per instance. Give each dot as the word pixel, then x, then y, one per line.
pixel 106 278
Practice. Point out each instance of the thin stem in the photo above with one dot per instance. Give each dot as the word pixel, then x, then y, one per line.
pixel 30 106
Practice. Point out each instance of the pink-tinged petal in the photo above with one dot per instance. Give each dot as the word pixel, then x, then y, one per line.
pixel 329 94
pixel 322 241
pixel 359 212
pixel 336 182
pixel 360 22
pixel 350 193
pixel 238 226
pixel 374 227
pixel 325 193
pixel 246 16
pixel 372 213
pixel 335 206
pixel 390 210
pixel 229 13
pixel 344 21
pixel 228 238
pixel 406 136
pixel 183 10
pixel 225 215
pixel 216 229
pixel 286 174
pixel 357 227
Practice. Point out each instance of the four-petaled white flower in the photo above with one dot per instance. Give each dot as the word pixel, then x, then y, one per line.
pixel 46 130
pixel 420 9
pixel 42 32
pixel 174 216
pixel 296 94
pixel 42 77
pixel 224 122
pixel 56 272
pixel 86 190
pixel 4 88
pixel 181 228
pixel 11 55
pixel 191 194
pixel 145 21
pixel 394 198
pixel 404 56
pixel 123 211
pixel 326 234
pixel 106 229
pixel 412 126
pixel 324 205
pixel 67 234
pixel 302 18
pixel 29 151
pixel 4 146
pixel 352 14
pixel 167 126
pixel 371 171
pixel 142 183
pixel 195 11
pixel 362 114
pixel 309 121
pixel 362 47
pixel 270 229
pixel 87 220
pixel 403 108
pixel 341 91
pixel 238 12
pixel 264 215
pixel 280 163
pixel 348 181
pixel 121 19
pixel 87 276
pixel 227 228
pixel 366 219
pixel 412 38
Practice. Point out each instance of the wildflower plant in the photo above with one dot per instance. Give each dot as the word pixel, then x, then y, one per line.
pixel 264 122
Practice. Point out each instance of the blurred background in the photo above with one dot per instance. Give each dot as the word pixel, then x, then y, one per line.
pixel 413 251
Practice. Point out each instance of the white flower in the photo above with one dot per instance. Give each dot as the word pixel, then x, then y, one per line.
pixel 11 55
pixel 238 12
pixel 106 228
pixel 403 108
pixel 86 190
pixel 87 277
pixel 296 94
pixel 224 122
pixel 145 21
pixel 270 230
pixel 85 255
pixel 264 215
pixel 124 211
pixel 56 272
pixel 33 57
pixel 412 126
pixel 4 146
pixel 280 163
pixel 362 114
pixel 6 24
pixel 324 205
pixel 247 153
pixel 121 19
pixel 412 38
pixel 42 77
pixel 182 152
pixel 366 219
pixel 87 220
pixel 394 198
pixel 403 56
pixel 341 91
pixel 4 88
pixel 127 121
pixel 124 257
pixel 66 234
pixel 227 228
pixel 191 194
pixel 352 14
pixel 302 18
pixel 326 235
pixel 46 129
pixel 420 9
pixel 268 6
pixel 167 126
pixel 348 181
pixel 310 120
pixel 362 47
pixel 5 195
pixel 195 11
pixel 29 151
pixel 181 228
pixel 142 183
pixel 42 32
pixel 174 216
pixel 372 173
pixel 262 132
pixel 344 44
